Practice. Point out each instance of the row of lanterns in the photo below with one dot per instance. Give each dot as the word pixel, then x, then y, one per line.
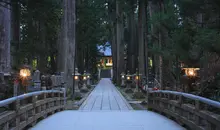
pixel 86 82
pixel 136 77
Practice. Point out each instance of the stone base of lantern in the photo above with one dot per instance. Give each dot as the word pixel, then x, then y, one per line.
pixel 77 94
pixel 84 89
pixel 128 89
pixel 136 90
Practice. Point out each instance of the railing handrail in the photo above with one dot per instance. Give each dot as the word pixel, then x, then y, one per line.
pixel 23 96
pixel 191 96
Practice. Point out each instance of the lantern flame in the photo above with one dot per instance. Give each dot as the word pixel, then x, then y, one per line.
pixel 25 73
pixel 76 77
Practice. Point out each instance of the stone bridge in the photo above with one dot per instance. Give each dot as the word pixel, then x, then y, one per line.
pixel 106 108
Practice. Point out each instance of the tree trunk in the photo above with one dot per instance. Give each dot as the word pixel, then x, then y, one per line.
pixel 15 30
pixel 5 39
pixel 67 45
pixel 119 39
pixel 131 43
pixel 141 42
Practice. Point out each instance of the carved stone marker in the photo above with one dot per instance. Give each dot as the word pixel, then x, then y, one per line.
pixel 36 78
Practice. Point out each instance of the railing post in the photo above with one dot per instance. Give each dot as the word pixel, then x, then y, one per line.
pixel 197 106
pixel 17 108
pixel 64 97
pixel 180 102
pixel 34 100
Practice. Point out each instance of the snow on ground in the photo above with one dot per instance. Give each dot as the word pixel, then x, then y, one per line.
pixel 107 120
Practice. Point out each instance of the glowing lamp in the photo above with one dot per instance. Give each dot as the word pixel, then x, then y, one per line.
pixel 128 78
pixel 76 74
pixel 137 77
pixel 76 77
pixel 122 76
pixel 88 76
pixel 25 72
pixel 191 72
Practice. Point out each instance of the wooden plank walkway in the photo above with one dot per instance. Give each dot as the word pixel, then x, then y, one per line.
pixel 105 97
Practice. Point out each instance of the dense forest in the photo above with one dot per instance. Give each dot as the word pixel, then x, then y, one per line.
pixel 60 35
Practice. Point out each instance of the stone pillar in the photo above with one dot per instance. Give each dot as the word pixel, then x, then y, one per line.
pixel 64 95
pixel 37 82
pixel 43 82
pixel 53 78
pixel 16 85
pixel 62 80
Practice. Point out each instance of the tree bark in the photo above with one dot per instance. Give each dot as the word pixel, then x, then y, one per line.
pixel 5 39
pixel 15 30
pixel 67 45
pixel 119 40
pixel 131 43
pixel 141 30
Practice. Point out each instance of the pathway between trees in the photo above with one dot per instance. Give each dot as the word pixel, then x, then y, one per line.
pixel 106 109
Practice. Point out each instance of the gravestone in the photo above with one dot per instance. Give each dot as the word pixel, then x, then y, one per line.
pixel 36 79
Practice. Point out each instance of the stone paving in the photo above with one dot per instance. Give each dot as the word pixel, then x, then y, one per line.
pixel 105 97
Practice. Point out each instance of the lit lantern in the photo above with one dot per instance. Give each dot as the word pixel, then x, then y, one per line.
pixel 191 72
pixel 128 76
pixel 76 74
pixel 76 77
pixel 122 75
pixel 85 75
pixel 25 73
pixel 137 77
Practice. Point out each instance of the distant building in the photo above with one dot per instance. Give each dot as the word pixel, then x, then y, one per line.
pixel 105 56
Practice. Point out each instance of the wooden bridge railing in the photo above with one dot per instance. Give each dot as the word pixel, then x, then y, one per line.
pixel 25 110
pixel 193 112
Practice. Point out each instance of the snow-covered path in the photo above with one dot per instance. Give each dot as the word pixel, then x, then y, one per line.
pixel 105 97
pixel 106 109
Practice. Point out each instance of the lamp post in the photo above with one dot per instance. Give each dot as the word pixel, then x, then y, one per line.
pixel 122 79
pixel 128 84
pixel 25 74
pixel 76 83
pixel 84 88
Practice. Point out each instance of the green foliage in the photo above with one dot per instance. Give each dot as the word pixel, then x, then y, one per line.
pixel 40 25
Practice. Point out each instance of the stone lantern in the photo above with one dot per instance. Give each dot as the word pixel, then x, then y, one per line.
pixel 137 79
pixel 123 78
pixel 76 76
pixel 25 75
pixel 88 79
pixel 128 83
pixel 84 78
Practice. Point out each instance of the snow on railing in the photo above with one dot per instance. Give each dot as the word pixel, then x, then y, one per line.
pixel 191 96
pixel 23 96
